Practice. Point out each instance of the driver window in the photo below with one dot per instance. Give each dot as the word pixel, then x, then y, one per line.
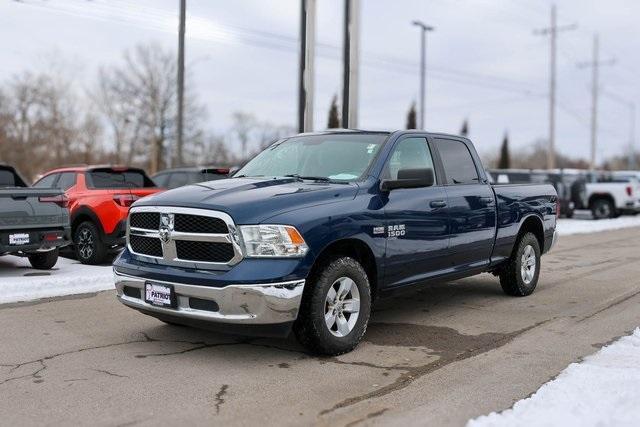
pixel 410 153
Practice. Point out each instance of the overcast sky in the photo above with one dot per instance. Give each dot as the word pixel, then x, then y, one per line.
pixel 484 62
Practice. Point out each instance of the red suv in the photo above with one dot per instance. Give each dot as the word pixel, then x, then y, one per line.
pixel 99 200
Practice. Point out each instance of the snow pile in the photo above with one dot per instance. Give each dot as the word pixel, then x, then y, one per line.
pixel 603 390
pixel 582 226
pixel 19 282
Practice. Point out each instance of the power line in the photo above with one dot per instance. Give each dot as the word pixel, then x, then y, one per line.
pixel 156 19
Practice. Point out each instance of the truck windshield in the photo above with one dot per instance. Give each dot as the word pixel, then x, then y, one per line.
pixel 335 157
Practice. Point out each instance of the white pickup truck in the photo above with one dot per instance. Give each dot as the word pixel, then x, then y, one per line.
pixel 613 194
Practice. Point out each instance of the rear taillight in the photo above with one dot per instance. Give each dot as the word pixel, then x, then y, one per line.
pixel 52 237
pixel 125 200
pixel 60 200
pixel 629 191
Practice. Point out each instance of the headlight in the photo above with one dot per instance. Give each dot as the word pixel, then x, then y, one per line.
pixel 272 241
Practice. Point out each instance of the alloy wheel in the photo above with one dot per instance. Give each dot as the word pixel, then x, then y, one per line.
pixel 342 307
pixel 528 264
pixel 85 243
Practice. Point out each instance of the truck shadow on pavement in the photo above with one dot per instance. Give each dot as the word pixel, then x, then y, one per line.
pixel 388 325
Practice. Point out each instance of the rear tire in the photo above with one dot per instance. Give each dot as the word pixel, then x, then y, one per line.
pixel 44 260
pixel 520 276
pixel 335 308
pixel 88 246
pixel 603 208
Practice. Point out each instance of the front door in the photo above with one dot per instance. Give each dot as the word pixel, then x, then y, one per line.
pixel 416 219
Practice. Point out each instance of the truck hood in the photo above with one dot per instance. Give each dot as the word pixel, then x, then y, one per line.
pixel 253 200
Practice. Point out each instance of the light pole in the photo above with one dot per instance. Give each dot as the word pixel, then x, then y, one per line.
pixel 423 65
pixel 180 113
pixel 306 68
pixel 350 63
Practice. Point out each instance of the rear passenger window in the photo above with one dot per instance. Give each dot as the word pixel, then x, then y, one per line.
pixel 47 181
pixel 66 181
pixel 458 164
pixel 178 179
pixel 161 179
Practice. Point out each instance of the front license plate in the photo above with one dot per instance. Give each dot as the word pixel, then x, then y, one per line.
pixel 19 239
pixel 159 295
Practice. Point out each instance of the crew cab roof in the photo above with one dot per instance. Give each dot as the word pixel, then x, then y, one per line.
pixel 88 168
pixel 382 132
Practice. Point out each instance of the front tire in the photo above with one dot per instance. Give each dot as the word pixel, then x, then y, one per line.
pixel 88 245
pixel 520 276
pixel 335 308
pixel 44 260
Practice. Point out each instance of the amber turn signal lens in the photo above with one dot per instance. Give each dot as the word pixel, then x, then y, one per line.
pixel 295 236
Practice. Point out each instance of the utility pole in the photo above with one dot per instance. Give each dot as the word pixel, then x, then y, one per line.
pixel 423 67
pixel 350 60
pixel 306 70
pixel 595 64
pixel 180 118
pixel 552 31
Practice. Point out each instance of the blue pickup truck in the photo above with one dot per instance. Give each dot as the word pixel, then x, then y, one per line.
pixel 313 229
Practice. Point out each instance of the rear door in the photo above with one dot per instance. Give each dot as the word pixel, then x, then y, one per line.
pixel 471 205
pixel 416 219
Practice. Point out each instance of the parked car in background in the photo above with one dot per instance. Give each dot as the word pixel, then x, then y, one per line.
pixel 178 177
pixel 99 198
pixel 571 188
pixel 315 227
pixel 34 222
pixel 613 194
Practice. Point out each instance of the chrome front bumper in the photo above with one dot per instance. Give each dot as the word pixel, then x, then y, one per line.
pixel 255 304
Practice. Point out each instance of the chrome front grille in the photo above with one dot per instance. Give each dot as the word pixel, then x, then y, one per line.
pixel 199 224
pixel 145 220
pixel 183 236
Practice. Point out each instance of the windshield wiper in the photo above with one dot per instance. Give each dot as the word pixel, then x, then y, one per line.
pixel 310 178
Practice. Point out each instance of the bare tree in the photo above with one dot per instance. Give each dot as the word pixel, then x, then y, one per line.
pixel 244 124
pixel 42 119
pixel 139 100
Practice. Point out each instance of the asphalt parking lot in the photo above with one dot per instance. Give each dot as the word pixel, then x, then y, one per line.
pixel 439 355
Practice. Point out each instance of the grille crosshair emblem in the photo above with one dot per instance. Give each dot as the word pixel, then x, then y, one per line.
pixel 166 227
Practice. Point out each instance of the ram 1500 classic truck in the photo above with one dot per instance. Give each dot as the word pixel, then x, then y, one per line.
pixel 314 228
pixel 33 222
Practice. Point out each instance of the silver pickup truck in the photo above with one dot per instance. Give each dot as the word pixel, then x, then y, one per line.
pixel 34 222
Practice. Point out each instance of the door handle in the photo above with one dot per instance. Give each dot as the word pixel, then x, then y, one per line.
pixel 438 204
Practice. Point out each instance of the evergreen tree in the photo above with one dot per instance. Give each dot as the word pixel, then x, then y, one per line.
pixel 505 160
pixel 464 130
pixel 411 117
pixel 334 115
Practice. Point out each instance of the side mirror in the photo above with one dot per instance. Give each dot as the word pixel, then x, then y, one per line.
pixel 409 178
pixel 233 170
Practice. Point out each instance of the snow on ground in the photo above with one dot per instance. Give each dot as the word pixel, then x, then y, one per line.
pixel 582 226
pixel 19 282
pixel 603 390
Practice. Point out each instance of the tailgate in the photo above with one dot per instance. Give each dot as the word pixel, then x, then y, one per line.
pixel 20 208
